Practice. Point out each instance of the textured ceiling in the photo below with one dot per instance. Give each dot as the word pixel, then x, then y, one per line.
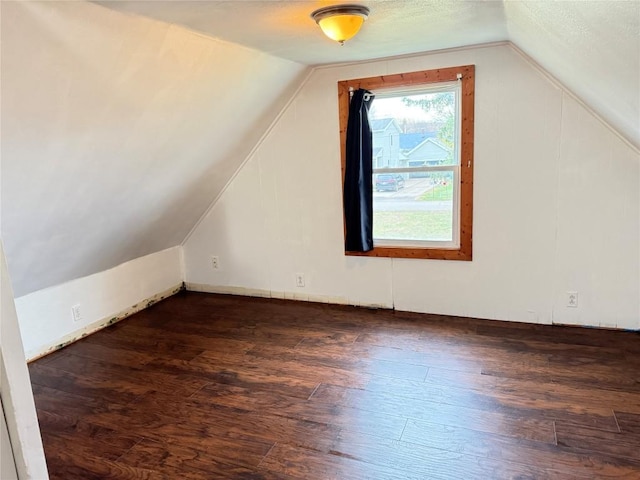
pixel 284 28
pixel 590 46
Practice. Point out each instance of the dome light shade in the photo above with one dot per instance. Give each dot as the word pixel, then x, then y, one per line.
pixel 340 22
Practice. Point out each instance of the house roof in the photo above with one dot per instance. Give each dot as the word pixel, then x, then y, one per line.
pixel 424 142
pixel 379 124
pixel 409 140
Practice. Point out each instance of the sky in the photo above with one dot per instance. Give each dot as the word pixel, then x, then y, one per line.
pixel 394 107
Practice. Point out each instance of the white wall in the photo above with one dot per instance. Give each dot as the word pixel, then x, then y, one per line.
pixel 113 124
pixel 45 316
pixel 556 208
pixel 598 246
pixel 15 389
pixel 7 462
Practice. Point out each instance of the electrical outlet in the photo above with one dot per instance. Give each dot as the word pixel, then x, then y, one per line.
pixel 299 279
pixel 572 299
pixel 215 262
pixel 76 314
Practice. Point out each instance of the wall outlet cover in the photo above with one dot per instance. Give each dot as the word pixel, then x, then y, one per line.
pixel 572 299
pixel 76 314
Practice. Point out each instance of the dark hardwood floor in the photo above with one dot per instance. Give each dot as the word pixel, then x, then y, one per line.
pixel 210 386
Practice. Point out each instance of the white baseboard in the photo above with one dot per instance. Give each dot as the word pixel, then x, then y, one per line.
pixel 254 292
pixel 104 322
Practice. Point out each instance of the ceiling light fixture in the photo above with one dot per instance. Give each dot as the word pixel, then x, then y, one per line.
pixel 340 22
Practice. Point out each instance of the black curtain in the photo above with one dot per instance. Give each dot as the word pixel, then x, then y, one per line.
pixel 358 183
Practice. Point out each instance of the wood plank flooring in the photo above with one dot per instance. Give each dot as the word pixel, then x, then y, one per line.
pixel 210 386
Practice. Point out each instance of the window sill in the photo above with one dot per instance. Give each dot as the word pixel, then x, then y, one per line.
pixel 461 254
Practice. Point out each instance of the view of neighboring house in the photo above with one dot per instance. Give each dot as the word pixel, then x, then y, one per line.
pixel 408 141
pixel 378 157
pixel 392 148
pixel 386 136
pixel 429 153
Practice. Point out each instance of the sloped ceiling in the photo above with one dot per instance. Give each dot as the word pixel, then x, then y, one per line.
pixel 123 120
pixel 117 132
pixel 284 27
pixel 592 47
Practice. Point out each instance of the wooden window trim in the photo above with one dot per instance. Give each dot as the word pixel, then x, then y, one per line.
pixel 464 252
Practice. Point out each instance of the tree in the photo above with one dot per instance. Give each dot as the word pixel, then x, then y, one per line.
pixel 442 107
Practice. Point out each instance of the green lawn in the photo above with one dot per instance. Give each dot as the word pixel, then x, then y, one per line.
pixel 438 193
pixel 428 225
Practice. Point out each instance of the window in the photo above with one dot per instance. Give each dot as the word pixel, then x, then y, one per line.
pixel 423 179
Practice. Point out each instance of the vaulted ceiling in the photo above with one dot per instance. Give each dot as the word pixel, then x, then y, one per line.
pixel 117 132
pixel 122 121
pixel 592 47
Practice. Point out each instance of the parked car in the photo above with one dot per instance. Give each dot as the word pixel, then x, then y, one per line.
pixel 389 182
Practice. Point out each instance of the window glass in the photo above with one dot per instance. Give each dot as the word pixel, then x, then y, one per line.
pixel 416 155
